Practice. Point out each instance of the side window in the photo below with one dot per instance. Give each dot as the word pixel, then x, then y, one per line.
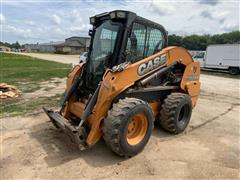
pixel 136 43
pixel 154 41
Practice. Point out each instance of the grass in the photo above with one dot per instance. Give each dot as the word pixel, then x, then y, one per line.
pixel 26 74
pixel 16 108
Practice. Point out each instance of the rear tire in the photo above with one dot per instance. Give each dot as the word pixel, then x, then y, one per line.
pixel 234 70
pixel 176 112
pixel 128 126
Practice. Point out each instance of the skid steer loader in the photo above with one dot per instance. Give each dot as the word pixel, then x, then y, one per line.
pixel 130 81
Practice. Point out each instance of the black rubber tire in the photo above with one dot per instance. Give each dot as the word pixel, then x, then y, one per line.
pixel 175 113
pixel 234 70
pixel 116 123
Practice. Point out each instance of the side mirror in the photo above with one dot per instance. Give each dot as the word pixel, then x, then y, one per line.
pixel 90 32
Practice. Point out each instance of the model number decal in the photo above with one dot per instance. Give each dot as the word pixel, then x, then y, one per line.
pixel 152 64
pixel 192 78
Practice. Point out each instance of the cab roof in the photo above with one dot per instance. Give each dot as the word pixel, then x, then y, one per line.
pixel 129 17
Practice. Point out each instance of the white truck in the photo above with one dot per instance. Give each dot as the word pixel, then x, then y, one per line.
pixel 220 56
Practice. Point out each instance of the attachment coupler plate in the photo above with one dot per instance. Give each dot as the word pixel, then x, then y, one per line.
pixel 77 135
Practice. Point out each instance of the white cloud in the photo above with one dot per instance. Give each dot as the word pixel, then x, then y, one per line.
pixel 2 19
pixel 79 28
pixel 221 14
pixel 206 14
pixel 229 26
pixel 56 19
pixel 29 22
pixel 20 32
pixel 75 16
pixel 161 8
pixel 209 2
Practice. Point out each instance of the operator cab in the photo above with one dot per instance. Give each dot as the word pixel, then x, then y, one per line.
pixel 121 36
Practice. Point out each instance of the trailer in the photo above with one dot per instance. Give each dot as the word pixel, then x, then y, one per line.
pixel 220 56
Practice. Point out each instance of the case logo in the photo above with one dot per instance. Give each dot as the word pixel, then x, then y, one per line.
pixel 152 64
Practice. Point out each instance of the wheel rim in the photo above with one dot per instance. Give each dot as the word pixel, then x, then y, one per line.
pixel 137 128
pixel 183 114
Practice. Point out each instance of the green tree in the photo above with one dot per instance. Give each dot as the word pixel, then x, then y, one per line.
pixel 16 45
pixel 200 42
pixel 174 40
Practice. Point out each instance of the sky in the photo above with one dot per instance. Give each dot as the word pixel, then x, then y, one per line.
pixel 32 21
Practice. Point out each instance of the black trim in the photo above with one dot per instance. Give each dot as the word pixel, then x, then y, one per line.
pixel 152 89
pixel 124 32
pixel 114 58
pixel 145 42
pixel 89 107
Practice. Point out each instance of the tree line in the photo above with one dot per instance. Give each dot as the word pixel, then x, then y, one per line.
pixel 191 42
pixel 15 45
pixel 200 42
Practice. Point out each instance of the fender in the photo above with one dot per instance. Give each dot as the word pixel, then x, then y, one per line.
pixel 114 83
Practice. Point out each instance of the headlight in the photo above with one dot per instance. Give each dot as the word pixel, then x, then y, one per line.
pixel 112 15
pixel 92 20
pixel 121 14
pixel 118 14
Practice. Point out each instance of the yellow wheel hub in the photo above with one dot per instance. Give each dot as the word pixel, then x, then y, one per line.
pixel 137 129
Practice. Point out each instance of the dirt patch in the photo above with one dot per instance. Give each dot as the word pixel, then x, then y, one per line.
pixel 48 88
pixel 208 149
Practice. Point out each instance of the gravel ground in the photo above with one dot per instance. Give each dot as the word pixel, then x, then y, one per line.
pixel 208 149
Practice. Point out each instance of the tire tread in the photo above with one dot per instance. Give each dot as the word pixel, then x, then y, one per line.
pixel 112 123
pixel 168 111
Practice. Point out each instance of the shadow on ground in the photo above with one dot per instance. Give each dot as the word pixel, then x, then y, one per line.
pixel 163 135
pixel 60 149
pixel 220 73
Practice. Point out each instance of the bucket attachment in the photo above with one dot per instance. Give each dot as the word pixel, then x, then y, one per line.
pixel 76 135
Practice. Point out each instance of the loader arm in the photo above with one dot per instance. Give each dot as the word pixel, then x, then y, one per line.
pixel 114 83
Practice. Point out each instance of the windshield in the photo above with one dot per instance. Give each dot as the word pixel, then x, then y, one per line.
pixel 103 45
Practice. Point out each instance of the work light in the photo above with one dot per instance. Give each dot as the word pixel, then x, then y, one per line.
pixel 92 20
pixel 121 14
pixel 112 15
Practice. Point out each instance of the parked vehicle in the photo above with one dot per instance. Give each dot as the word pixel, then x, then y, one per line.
pixel 199 56
pixel 120 98
pixel 83 57
pixel 220 56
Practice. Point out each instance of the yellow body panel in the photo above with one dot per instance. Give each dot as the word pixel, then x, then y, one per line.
pixel 114 83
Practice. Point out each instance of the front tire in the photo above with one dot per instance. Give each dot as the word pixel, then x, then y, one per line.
pixel 176 112
pixel 128 126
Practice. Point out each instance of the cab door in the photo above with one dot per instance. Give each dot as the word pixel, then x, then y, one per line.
pixel 143 42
